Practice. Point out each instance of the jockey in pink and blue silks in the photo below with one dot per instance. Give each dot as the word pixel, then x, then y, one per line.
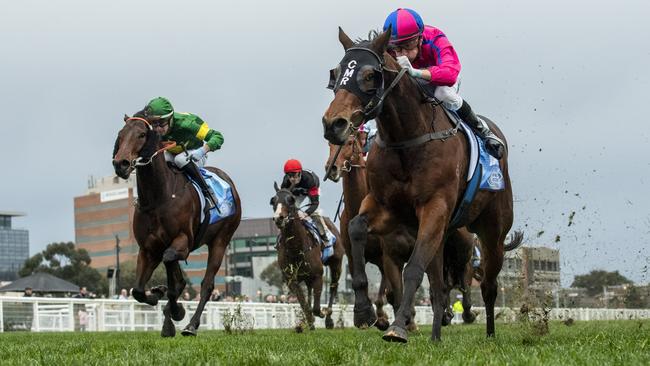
pixel 430 58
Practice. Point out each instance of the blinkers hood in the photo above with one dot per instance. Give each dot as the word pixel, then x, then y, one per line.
pixel 349 75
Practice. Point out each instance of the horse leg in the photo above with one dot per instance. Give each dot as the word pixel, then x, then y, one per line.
pixel 335 274
pixel 382 318
pixel 215 256
pixel 317 286
pixel 427 253
pixel 144 269
pixel 371 217
pixel 294 286
pixel 493 256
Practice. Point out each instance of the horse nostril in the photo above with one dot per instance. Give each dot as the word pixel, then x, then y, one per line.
pixel 124 164
pixel 340 123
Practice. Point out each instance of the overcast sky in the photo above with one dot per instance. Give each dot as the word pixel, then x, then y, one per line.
pixel 566 81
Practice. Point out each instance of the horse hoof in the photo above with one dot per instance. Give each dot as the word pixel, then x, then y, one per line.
pixel 365 318
pixel 179 314
pixel 412 327
pixel 168 329
pixel 318 313
pixel 469 318
pixel 159 291
pixel 396 334
pixel 298 328
pixel 312 327
pixel 189 331
pixel 329 323
pixel 446 320
pixel 382 324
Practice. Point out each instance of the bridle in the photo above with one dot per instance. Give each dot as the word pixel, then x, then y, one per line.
pixel 140 161
pixel 373 107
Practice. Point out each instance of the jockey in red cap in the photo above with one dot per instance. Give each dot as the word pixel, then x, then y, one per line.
pixel 305 185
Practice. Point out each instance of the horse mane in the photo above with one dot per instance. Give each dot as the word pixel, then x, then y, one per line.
pixel 372 34
pixel 116 147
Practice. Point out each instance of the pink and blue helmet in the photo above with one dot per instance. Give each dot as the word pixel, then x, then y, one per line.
pixel 406 24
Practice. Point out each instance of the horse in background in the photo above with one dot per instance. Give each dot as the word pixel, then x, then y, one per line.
pixel 299 258
pixel 416 179
pixel 167 220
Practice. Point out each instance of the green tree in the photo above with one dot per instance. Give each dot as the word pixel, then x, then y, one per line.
pixel 633 298
pixel 272 275
pixel 159 277
pixel 69 263
pixel 595 280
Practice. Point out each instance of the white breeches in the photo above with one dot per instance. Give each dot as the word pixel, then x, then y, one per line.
pixel 180 160
pixel 449 96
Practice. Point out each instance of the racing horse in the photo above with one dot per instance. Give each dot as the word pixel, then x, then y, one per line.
pixel 166 222
pixel 416 177
pixel 346 163
pixel 299 257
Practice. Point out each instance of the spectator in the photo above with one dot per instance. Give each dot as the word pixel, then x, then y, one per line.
pixel 186 296
pixel 82 316
pixel 28 292
pixel 124 294
pixel 283 299
pixel 216 295
pixel 83 293
pixel 458 310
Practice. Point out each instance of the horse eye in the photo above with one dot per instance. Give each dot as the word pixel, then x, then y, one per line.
pixel 142 135
pixel 370 76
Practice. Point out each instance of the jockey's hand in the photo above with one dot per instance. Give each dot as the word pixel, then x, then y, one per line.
pixel 197 154
pixel 302 215
pixel 404 62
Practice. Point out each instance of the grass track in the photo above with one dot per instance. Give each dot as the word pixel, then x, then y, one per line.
pixel 584 343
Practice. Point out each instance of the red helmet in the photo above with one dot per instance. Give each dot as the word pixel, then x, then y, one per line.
pixel 292 166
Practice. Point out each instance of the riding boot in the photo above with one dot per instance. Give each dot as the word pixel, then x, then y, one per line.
pixel 320 226
pixel 495 146
pixel 193 172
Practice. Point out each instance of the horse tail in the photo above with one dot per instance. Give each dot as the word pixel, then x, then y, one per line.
pixel 516 241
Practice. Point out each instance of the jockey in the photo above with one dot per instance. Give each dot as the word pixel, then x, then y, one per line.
pixel 193 137
pixel 430 58
pixel 305 184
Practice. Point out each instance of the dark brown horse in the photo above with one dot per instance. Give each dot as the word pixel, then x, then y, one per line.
pixel 416 178
pixel 299 258
pixel 346 162
pixel 166 222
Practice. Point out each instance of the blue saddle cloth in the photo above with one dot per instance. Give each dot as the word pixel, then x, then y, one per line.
pixel 484 173
pixel 223 193
pixel 329 246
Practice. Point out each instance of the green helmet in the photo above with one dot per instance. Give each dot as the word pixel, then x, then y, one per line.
pixel 160 108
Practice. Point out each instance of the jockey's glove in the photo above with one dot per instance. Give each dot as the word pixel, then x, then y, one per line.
pixel 197 154
pixel 404 62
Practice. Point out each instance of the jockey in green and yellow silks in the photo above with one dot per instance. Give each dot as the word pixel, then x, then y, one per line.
pixel 194 139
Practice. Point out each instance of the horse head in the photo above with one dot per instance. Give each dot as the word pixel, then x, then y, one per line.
pixel 284 206
pixel 343 158
pixel 358 85
pixel 136 141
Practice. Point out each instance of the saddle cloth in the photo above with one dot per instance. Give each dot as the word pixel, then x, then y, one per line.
pixel 491 176
pixel 329 246
pixel 223 193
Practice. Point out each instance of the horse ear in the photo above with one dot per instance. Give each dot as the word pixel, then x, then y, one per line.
pixel 275 185
pixel 380 44
pixel 126 117
pixel 345 40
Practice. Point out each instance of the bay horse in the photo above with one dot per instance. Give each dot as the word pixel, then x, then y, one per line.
pixel 346 163
pixel 166 221
pixel 416 177
pixel 299 258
